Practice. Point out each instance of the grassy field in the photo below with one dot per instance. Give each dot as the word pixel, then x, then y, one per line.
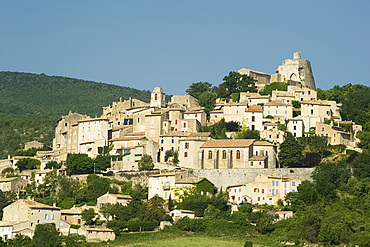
pixel 185 239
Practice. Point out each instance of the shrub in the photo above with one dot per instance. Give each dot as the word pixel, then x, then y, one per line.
pixel 248 244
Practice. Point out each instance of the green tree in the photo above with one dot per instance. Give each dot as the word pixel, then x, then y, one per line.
pixel 53 165
pixel 102 163
pixel 146 163
pixel 280 86
pixel 207 100
pixel 328 177
pixel 248 134
pixel 197 88
pixel 27 164
pixel 19 240
pixel 236 83
pixel 79 164
pixel 290 154
pixel 361 167
pixel 96 186
pixel 172 154
pixel 88 216
pixel 171 205
pixel 46 235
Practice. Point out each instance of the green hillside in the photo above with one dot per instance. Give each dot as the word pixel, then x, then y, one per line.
pixel 16 130
pixel 24 93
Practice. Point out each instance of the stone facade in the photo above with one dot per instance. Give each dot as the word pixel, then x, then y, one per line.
pixel 296 70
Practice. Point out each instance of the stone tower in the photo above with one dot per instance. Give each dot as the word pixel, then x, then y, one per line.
pixel 158 98
pixel 295 71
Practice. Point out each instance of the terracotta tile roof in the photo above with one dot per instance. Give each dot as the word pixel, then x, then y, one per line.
pixel 252 70
pixel 270 124
pixel 237 143
pixel 98 229
pixel 254 110
pixel 237 185
pixel 127 138
pixel 8 179
pixel 262 143
pixel 277 103
pixel 258 158
pixel 121 196
pixel 33 204
pixel 318 102
pixel 189 180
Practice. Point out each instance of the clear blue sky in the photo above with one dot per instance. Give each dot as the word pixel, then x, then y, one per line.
pixel 171 44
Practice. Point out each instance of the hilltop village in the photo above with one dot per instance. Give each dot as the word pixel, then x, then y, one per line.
pixel 173 140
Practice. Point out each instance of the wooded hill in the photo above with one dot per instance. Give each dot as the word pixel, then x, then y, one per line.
pixel 24 93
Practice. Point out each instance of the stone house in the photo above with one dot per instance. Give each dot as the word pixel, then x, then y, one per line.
pixel 130 149
pixel 30 213
pixel 97 234
pixel 178 214
pixel 335 134
pixel 33 144
pixel 123 200
pixel 164 184
pixel 66 135
pixel 267 188
pixel 295 126
pixel 92 135
pixel 261 79
pixel 15 184
pixel 283 215
pixel 279 110
pixel 253 98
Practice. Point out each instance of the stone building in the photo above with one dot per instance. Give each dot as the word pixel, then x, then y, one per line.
pixel 66 135
pixel 238 153
pixel 296 70
pixel 261 79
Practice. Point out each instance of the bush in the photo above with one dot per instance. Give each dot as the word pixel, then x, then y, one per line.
pixel 248 244
pixel 312 159
pixel 338 148
pixel 190 225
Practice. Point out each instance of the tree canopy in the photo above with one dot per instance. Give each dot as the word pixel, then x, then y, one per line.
pixel 291 152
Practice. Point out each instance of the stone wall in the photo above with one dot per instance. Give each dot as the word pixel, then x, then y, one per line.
pixel 225 177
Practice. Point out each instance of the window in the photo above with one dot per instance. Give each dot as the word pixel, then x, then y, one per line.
pixel 253 118
pixel 161 140
pixel 322 128
pixel 237 154
pixel 185 154
pixel 196 115
pixel 186 145
pixel 294 127
pixel 273 192
pixel 285 112
pixel 277 192
pixel 273 183
pixel 276 112
pixel 268 112
pixel 224 154
pixel 277 183
pixel 175 121
pixel 258 198
pixel 263 191
pixel 209 154
pixel 185 125
pixel 172 141
pixel 293 183
pixel 293 190
pixel 311 112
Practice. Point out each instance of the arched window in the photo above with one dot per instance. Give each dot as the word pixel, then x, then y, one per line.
pixel 209 154
pixel 224 154
pixel 237 154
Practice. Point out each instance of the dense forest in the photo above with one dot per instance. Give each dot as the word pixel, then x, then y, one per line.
pixel 24 93
pixel 15 130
